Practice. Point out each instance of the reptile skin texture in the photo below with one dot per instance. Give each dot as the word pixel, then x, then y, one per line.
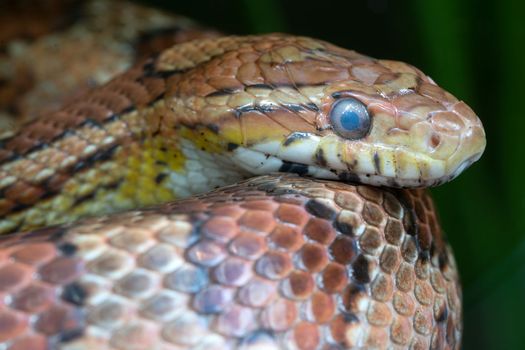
pixel 166 187
pixel 272 263
pixel 220 104
pixel 90 41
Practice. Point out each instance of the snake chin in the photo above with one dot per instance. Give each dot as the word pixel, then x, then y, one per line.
pixel 465 165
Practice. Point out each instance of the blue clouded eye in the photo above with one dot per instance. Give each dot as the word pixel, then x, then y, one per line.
pixel 350 118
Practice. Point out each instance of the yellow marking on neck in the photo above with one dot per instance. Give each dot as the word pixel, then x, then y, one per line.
pixel 133 170
pixel 145 166
pixel 205 139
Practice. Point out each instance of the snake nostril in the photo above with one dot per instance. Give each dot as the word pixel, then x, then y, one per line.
pixel 435 139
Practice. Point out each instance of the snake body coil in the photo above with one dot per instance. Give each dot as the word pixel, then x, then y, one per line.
pixel 275 261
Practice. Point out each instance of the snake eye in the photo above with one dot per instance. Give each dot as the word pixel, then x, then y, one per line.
pixel 350 118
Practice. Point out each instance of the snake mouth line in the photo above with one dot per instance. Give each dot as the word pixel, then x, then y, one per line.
pixel 259 163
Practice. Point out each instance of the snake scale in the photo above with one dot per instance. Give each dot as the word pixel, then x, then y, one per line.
pixel 305 223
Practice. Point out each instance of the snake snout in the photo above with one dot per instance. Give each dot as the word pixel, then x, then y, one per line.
pixel 463 125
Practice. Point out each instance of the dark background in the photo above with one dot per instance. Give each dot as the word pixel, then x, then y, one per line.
pixel 474 49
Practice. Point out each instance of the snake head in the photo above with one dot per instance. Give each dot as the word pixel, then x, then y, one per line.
pixel 296 104
pixel 390 124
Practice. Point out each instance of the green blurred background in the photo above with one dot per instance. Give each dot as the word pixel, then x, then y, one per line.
pixel 474 49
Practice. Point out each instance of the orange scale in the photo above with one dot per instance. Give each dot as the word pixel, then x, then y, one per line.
pixel 34 253
pixel 260 204
pixel 320 230
pixel 60 319
pixel 13 324
pixel 33 342
pixel 314 257
pixel 287 237
pixel 34 298
pixel 62 270
pixel 298 286
pixel 220 228
pixel 232 211
pixel 343 249
pixel 320 308
pixel 258 220
pixel 14 276
pixel 334 278
pixel 292 214
pixel 305 336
